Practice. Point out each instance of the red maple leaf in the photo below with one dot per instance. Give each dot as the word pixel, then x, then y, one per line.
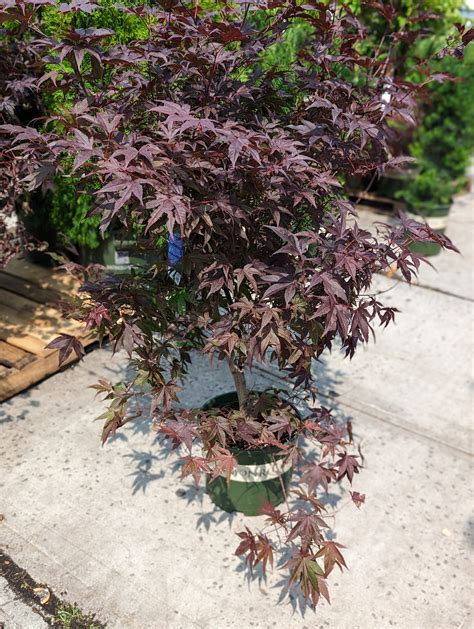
pixel 274 516
pixel 316 474
pixel 224 462
pixel 257 548
pixel 357 499
pixel 308 526
pixel 305 570
pixel 332 556
pixel 194 465
pixel 179 431
pixel 348 466
pixel 66 345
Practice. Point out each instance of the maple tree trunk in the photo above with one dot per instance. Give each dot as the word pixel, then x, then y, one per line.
pixel 240 384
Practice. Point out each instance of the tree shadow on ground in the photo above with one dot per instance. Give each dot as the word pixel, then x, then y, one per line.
pixel 6 417
pixel 286 595
pixel 469 532
pixel 148 464
pixel 143 474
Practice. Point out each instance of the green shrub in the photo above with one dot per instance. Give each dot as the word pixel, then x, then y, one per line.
pixel 445 138
pixel 443 143
pixel 60 216
pixel 427 192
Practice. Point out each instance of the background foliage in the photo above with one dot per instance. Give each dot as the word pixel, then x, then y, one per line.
pixel 443 143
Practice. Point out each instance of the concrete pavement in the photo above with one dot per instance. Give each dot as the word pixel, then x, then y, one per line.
pixel 113 530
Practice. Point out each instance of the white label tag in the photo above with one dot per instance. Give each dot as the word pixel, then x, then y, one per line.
pixel 259 473
pixel 122 257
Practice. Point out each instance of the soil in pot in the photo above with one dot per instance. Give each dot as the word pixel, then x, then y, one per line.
pixel 262 475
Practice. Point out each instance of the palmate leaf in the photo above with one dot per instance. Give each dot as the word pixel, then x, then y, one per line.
pixel 281 423
pixel 179 431
pixel 307 526
pixel 316 474
pixel 264 552
pixel 66 345
pixel 216 428
pixel 308 575
pixel 223 462
pixel 194 465
pixel 247 546
pixel 274 516
pixel 332 556
pixel 357 498
pixel 114 419
pixel 310 498
pixel 348 465
pixel 257 548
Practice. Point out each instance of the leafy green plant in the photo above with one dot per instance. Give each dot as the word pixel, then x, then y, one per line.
pixel 428 193
pixel 70 616
pixel 444 141
pixel 60 216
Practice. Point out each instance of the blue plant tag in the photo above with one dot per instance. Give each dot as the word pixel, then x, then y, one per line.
pixel 175 248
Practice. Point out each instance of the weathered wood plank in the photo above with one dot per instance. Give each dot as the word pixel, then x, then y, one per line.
pixel 16 302
pixel 38 321
pixel 54 279
pixel 26 342
pixel 23 304
pixel 28 289
pixel 32 333
pixel 19 380
pixel 28 322
pixel 11 356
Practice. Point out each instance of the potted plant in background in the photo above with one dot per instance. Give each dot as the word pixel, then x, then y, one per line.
pixel 443 138
pixel 442 145
pixel 428 197
pixel 54 219
pixel 231 167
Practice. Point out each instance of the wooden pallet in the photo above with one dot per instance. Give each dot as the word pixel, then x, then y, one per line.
pixel 371 201
pixel 29 320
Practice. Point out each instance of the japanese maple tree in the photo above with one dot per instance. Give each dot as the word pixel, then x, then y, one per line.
pixel 232 169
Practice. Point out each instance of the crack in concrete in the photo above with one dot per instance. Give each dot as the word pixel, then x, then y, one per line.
pixel 24 587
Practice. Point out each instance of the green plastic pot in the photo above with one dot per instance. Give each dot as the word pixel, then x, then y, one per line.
pixel 120 255
pixel 437 219
pixel 262 475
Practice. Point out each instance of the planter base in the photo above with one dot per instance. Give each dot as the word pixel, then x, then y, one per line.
pixel 247 497
pixel 262 476
pixel 426 248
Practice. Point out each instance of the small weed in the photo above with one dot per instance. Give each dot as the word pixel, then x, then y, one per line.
pixel 40 597
pixel 72 616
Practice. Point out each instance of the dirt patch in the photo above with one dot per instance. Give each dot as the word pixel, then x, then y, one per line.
pixel 42 600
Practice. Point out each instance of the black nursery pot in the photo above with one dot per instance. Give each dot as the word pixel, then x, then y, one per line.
pixel 262 475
